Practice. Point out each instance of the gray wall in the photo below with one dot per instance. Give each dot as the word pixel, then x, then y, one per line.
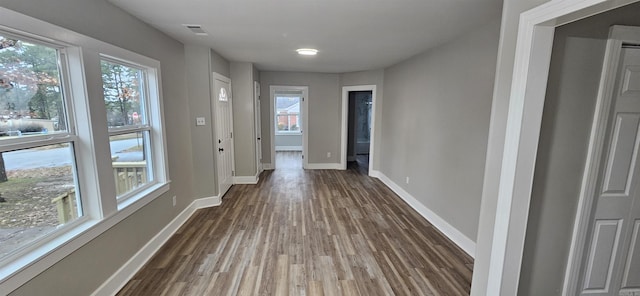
pixel 323 118
pixel 201 62
pixel 243 118
pixel 435 120
pixel 288 140
pixel 83 271
pixel 576 65
pixel 219 64
pixel 199 93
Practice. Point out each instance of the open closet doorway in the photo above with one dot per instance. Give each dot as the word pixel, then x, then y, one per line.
pixel 288 124
pixel 358 118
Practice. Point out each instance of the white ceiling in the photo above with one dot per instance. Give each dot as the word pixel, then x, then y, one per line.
pixel 351 35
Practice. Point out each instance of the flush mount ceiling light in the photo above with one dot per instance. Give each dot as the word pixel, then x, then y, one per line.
pixel 307 51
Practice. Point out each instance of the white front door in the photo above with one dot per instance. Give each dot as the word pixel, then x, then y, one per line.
pixel 224 133
pixel 611 265
pixel 258 126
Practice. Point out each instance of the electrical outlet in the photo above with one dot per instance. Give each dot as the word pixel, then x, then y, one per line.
pixel 407 180
pixel 174 200
pixel 328 154
pixel 200 121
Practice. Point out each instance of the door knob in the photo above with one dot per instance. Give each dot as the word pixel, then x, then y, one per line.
pixel 220 149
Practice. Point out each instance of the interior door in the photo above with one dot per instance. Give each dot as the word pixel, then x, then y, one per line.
pixel 258 126
pixel 224 134
pixel 611 266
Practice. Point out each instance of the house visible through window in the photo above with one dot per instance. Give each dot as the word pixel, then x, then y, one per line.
pixel 38 175
pixel 287 114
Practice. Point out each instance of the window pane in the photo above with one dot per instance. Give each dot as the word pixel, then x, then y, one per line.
pixel 30 91
pixel 288 114
pixel 37 195
pixel 129 155
pixel 124 94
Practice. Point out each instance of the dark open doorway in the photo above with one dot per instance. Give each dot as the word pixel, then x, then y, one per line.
pixel 359 128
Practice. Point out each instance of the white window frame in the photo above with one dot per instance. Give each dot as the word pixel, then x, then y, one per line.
pixel 152 112
pixel 69 137
pixel 101 209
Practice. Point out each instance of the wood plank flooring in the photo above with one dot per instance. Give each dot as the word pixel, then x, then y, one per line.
pixel 316 232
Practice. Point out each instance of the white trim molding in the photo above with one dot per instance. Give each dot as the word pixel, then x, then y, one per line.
pixel 246 179
pixel 289 148
pixel 323 166
pixel 523 126
pixel 344 127
pixel 465 243
pixel 207 202
pixel 304 110
pixel 267 166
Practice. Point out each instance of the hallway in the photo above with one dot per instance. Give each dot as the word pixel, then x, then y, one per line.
pixel 313 232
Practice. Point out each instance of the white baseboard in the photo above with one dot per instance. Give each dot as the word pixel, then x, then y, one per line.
pixel 288 148
pixel 121 277
pixel 245 179
pixel 465 243
pixel 324 166
pixel 267 166
pixel 206 202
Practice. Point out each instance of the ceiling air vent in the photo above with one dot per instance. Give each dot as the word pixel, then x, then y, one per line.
pixel 196 29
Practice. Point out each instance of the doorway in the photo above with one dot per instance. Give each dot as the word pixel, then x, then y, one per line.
pixel 517 129
pixel 605 246
pixel 358 127
pixel 223 132
pixel 288 125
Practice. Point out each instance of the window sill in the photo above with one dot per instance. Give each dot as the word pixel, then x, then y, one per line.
pixel 289 134
pixel 143 197
pixel 24 267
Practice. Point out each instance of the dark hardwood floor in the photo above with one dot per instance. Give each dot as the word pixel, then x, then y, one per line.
pixel 315 232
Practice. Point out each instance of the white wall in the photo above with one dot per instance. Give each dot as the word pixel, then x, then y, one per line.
pixel 435 121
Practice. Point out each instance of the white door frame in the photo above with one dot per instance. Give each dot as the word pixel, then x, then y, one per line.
pixel 305 121
pixel 345 119
pixel 617 36
pixel 257 126
pixel 530 75
pixel 214 130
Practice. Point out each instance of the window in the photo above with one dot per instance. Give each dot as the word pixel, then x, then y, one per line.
pixel 38 175
pixel 126 103
pixel 58 189
pixel 287 114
